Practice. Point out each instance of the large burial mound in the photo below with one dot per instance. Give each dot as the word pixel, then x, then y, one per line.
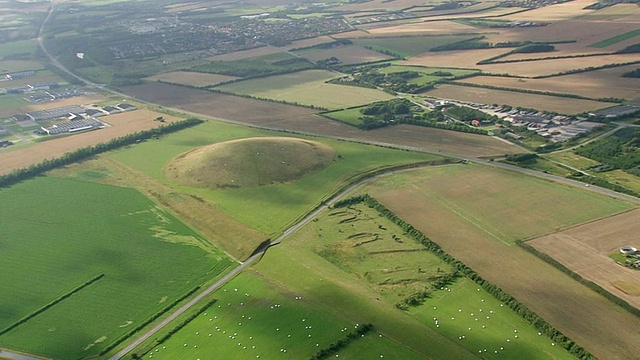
pixel 249 162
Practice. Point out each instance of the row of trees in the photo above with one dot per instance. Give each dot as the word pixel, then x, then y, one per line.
pixel 359 332
pixel 86 152
pixel 539 323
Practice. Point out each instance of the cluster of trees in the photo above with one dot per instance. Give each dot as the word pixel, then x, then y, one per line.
pixel 148 321
pixel 539 323
pixel 392 82
pixel 632 74
pixel 383 113
pixel 419 297
pixel 521 159
pixel 469 44
pixel 86 152
pixel 618 151
pixel 635 48
pixel 254 68
pixel 467 114
pixel 360 331
pixel 49 305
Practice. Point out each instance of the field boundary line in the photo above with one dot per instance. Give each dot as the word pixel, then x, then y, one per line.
pixel 51 304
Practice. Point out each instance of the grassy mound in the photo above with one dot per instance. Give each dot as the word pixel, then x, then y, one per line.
pixel 249 162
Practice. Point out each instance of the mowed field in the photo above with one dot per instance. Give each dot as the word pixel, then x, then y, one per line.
pixel 594 84
pixel 307 87
pixel 347 55
pixel 145 254
pixel 539 102
pixel 293 118
pixel 475 213
pixel 120 124
pixel 191 78
pixel 552 13
pixel 585 249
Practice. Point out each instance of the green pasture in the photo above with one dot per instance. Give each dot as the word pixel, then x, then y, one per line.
pixel 409 46
pixel 572 159
pixel 307 88
pixel 18 47
pixel 483 198
pixel 257 66
pixel 19 65
pixel 256 318
pixel 8 101
pixel 282 203
pixel 426 73
pixel 348 116
pixel 357 240
pixel 475 320
pixel 58 234
pixel 616 39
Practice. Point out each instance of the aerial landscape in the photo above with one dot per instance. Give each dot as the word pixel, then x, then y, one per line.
pixel 352 179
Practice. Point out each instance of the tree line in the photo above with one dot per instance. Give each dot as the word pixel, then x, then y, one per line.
pixel 359 332
pixel 539 323
pixel 86 152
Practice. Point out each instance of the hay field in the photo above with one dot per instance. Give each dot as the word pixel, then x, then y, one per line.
pixel 553 13
pixel 191 78
pixel 298 44
pixel 439 203
pixel 425 28
pixel 556 66
pixel 409 46
pixel 461 59
pixel 347 55
pixel 121 124
pixel 585 249
pixel 540 102
pixel 307 87
pixel 594 84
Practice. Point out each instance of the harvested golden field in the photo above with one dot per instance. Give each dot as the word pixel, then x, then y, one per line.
pixel 80 100
pixel 347 55
pixel 585 249
pixel 380 5
pixel 540 102
pixel 584 32
pixel 472 12
pixel 467 59
pixel 245 54
pixel 437 202
pixel 418 28
pixel 594 84
pixel 121 124
pixel 552 13
pixel 624 12
pixel 307 43
pixel 191 78
pixel 286 117
pixel 556 66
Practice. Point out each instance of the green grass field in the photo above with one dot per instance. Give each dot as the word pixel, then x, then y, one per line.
pixel 426 73
pixel 18 47
pixel 477 321
pixel 307 88
pixel 408 46
pixel 348 288
pixel 58 234
pixel 616 39
pixel 284 202
pixel 348 116
pixel 256 318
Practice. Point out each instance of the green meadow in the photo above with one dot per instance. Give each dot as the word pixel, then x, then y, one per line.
pixel 267 208
pixel 254 318
pixel 616 39
pixel 308 88
pixel 58 234
pixel 409 46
